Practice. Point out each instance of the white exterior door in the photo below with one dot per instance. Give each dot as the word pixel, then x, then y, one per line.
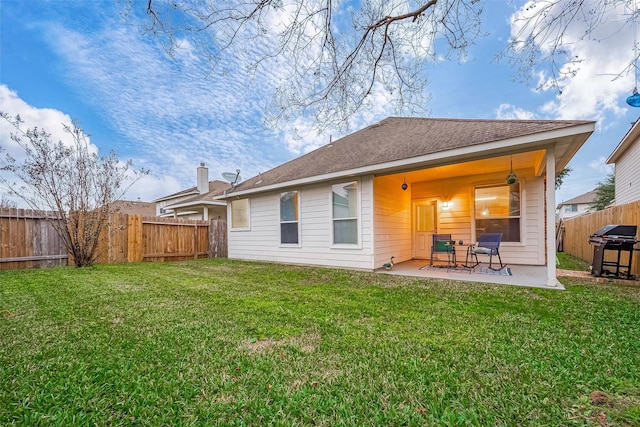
pixel 424 226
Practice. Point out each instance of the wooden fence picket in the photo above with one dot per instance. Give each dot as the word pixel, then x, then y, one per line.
pixel 27 240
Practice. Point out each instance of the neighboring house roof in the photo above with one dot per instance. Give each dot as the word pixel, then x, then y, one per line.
pixel 135 207
pixel 215 187
pixel 204 199
pixel 583 199
pixel 632 136
pixel 401 142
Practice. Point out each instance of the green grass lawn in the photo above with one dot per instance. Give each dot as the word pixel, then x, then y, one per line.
pixel 218 342
pixel 568 262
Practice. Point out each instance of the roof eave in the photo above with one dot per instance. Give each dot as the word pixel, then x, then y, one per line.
pixel 196 203
pixel 476 152
pixel 174 195
pixel 632 135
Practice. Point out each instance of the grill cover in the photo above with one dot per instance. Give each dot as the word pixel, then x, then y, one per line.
pixel 615 238
pixel 616 230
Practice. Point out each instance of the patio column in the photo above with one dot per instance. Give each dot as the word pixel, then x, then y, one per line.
pixel 205 213
pixel 551 216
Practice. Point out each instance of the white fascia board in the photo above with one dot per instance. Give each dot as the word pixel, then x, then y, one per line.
pixel 475 152
pixel 175 195
pixel 197 203
pixel 629 138
pixel 183 213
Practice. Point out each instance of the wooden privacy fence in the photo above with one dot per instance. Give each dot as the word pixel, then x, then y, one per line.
pixel 578 229
pixel 135 238
pixel 28 241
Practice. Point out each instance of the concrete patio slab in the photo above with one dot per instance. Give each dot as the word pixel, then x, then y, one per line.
pixel 522 275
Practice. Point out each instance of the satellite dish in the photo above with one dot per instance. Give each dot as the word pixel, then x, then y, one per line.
pixel 231 177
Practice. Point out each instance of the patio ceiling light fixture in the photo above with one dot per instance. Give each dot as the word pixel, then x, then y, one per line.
pixel 512 178
pixel 404 184
pixel 445 206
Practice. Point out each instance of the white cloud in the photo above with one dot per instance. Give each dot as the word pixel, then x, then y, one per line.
pixel 177 115
pixel 596 88
pixel 600 166
pixel 151 187
pixel 171 113
pixel 508 112
pixel 47 119
pixel 301 137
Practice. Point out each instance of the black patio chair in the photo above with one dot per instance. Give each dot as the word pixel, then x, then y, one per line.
pixel 442 243
pixel 488 244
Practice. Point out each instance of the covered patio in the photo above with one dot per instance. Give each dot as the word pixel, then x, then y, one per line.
pixel 502 190
pixel 534 276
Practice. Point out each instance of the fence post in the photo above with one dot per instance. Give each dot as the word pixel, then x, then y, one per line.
pixel 195 241
pixel 217 239
pixel 212 239
pixel 134 238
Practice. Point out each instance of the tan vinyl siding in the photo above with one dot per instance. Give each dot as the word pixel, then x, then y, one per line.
pixel 459 219
pixel 533 233
pixel 392 213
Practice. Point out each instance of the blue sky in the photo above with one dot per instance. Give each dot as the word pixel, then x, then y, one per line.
pixel 64 59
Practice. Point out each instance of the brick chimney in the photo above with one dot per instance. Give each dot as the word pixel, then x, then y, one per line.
pixel 203 179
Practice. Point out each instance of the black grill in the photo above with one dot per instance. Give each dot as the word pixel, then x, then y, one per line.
pixel 619 238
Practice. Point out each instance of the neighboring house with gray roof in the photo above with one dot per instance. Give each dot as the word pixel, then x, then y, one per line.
pixel 195 202
pixel 579 205
pixel 626 158
pixel 386 189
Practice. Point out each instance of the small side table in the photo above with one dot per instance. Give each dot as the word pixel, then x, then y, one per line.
pixel 468 260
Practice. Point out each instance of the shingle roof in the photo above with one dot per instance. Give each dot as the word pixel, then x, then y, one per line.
pixel 215 187
pixel 586 198
pixel 399 138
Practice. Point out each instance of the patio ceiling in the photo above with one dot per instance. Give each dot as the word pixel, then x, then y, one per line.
pixel 528 160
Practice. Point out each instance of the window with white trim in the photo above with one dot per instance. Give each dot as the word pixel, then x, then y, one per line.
pixel 498 210
pixel 289 223
pixel 345 213
pixel 240 214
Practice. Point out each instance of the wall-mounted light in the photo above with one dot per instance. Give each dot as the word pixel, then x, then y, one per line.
pixel 445 206
pixel 404 184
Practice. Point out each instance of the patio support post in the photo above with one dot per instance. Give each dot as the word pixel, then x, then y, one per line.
pixel 551 216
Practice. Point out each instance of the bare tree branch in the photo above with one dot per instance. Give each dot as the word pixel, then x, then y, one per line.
pixel 69 180
pixel 334 58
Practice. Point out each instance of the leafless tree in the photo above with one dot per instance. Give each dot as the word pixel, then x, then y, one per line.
pixel 5 202
pixel 73 184
pixel 545 30
pixel 333 56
